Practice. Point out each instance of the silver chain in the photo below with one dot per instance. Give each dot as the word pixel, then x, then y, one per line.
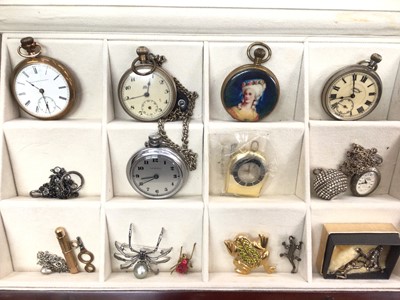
pixel 182 112
pixel 359 159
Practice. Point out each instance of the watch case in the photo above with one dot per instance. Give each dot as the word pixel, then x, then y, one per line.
pixel 97 139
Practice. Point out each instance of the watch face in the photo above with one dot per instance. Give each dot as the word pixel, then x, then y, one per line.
pixel 250 93
pixel 149 97
pixel 248 171
pixel 42 89
pixel 365 183
pixel 156 173
pixel 352 93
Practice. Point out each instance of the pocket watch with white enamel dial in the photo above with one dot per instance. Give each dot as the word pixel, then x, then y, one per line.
pixel 247 172
pixel 42 86
pixel 354 91
pixel 366 182
pixel 146 91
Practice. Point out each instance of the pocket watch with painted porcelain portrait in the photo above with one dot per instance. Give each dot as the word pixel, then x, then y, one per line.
pixel 247 172
pixel 354 91
pixel 251 92
pixel 146 91
pixel 42 86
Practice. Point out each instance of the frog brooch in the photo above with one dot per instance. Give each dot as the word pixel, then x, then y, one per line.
pixel 249 255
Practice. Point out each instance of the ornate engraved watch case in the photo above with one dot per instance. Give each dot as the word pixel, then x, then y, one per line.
pixel 247 172
pixel 157 171
pixel 354 91
pixel 146 91
pixel 250 92
pixel 42 86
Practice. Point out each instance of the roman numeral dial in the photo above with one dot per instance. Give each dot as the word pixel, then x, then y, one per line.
pixel 43 89
pixel 353 92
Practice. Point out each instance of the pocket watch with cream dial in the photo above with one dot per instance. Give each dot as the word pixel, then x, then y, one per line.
pixel 42 86
pixel 354 91
pixel 146 91
pixel 247 172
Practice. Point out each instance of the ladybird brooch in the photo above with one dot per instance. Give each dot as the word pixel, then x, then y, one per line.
pixel 249 255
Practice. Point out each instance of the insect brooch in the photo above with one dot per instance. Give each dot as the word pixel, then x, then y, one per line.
pixel 290 254
pixel 184 262
pixel 145 259
pixel 249 255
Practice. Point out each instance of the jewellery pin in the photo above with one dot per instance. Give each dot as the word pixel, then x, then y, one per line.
pixel 249 255
pixel 143 260
pixel 369 262
pixel 184 262
pixel 51 263
pixel 290 254
pixel 61 185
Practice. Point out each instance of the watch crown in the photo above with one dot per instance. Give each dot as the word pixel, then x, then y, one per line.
pixel 142 52
pixel 154 141
pixel 375 59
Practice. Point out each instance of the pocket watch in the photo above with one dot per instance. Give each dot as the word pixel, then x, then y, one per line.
pixel 353 91
pixel 157 171
pixel 251 92
pixel 366 182
pixel 247 172
pixel 146 91
pixel 161 169
pixel 42 86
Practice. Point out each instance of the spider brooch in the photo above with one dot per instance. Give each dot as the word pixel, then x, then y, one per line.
pixel 144 260
pixel 184 262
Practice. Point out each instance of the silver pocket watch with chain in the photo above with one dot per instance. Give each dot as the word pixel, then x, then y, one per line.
pixel 161 169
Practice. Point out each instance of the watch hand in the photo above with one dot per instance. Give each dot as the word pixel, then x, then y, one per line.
pixel 130 98
pixel 147 94
pixel 33 85
pixel 151 178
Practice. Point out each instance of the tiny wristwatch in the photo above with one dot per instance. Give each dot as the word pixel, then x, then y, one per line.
pixel 157 171
pixel 247 172
pixel 353 92
pixel 42 86
pixel 251 92
pixel 146 91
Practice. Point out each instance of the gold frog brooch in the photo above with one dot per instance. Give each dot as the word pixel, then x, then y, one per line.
pixel 249 255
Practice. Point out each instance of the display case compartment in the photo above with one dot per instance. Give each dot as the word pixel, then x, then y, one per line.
pixel 277 221
pixel 286 63
pixel 284 151
pixel 35 231
pixel 186 64
pixel 34 148
pixel 327 56
pixel 330 141
pixel 126 138
pixel 72 52
pixel 183 226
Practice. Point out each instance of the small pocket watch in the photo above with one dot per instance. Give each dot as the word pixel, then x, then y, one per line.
pixel 42 86
pixel 146 91
pixel 366 182
pixel 247 172
pixel 251 92
pixel 353 91
pixel 157 171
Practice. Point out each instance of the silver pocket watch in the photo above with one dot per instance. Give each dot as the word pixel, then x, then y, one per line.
pixel 157 171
